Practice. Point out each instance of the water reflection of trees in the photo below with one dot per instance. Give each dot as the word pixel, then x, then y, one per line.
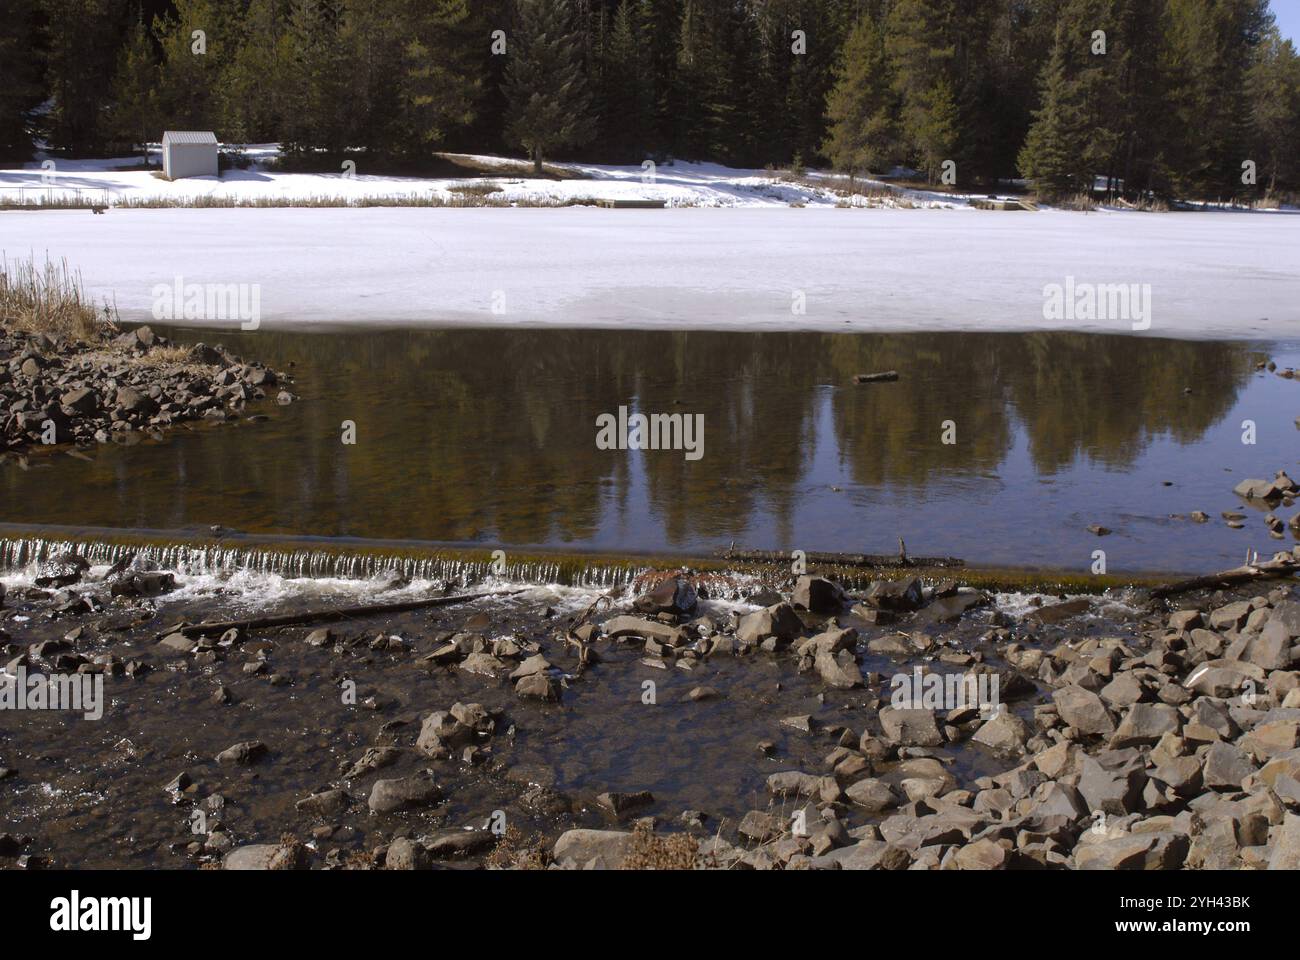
pixel 490 434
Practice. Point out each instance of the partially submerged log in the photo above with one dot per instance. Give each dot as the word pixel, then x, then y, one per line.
pixel 888 376
pixel 843 559
pixel 327 616
pixel 1280 566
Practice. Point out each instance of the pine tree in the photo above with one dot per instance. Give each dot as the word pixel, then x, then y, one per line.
pixel 196 42
pixel 81 39
pixel 698 103
pixel 133 117
pixel 862 133
pixel 438 90
pixel 1273 85
pixel 1211 45
pixel 628 85
pixel 920 38
pixel 317 84
pixel 252 81
pixel 1050 156
pixel 549 106
pixel 20 93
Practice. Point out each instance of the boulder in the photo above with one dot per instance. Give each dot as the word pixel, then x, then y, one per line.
pixel 911 728
pixel 778 622
pixel 1146 723
pixel 1140 851
pixel 405 854
pixel 676 596
pixel 609 847
pixel 895 594
pixel 1225 766
pixel 839 670
pixel 1286 845
pixel 818 595
pixel 403 793
pixel 1112 782
pixel 1083 710
pixel 1003 732
pixel 538 686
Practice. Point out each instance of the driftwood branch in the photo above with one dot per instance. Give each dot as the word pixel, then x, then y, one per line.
pixel 843 559
pixel 1267 570
pixel 329 616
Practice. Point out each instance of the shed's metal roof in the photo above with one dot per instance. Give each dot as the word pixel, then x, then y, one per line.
pixel 189 136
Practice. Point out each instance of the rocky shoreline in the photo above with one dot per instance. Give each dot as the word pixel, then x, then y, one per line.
pixel 57 390
pixel 1157 735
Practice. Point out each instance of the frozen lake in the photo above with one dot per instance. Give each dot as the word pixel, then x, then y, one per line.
pixel 1210 275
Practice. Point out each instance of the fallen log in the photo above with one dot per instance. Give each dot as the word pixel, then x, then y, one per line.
pixel 1268 570
pixel 329 616
pixel 843 559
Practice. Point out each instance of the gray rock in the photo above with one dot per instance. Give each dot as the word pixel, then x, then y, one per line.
pixel 441 734
pixel 1286 845
pixel 244 752
pixel 324 803
pixel 452 843
pixel 583 846
pixel 404 854
pixel 793 783
pixel 818 595
pixel 839 670
pixel 539 686
pixel 895 594
pixel 1146 723
pixel 873 795
pixel 1083 710
pixel 387 796
pixel 911 728
pixel 1142 851
pixel 676 596
pixel 1004 732
pixel 254 856
pixel 1225 766
pixel 778 622
pixel 1112 782
pixel 760 826
pixel 1271 650
pixel 621 804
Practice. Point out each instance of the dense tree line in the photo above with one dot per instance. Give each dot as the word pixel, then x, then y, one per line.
pixel 1154 97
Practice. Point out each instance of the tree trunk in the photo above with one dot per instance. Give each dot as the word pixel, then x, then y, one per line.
pixel 537 161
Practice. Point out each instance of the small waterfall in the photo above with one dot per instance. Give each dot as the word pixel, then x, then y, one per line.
pixel 18 554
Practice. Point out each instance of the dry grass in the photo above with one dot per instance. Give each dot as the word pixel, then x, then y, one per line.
pixel 459 197
pixel 50 299
pixel 171 355
pixel 647 851
pixel 1078 201
pixel 54 203
pixel 515 852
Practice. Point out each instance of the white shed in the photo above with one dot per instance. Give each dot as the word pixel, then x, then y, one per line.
pixel 189 153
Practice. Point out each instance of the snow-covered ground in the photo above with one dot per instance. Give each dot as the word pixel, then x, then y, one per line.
pixel 679 184
pixel 760 263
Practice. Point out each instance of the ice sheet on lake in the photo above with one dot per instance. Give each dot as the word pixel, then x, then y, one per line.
pixel 1211 274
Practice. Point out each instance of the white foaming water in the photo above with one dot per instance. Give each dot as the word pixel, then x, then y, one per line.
pixel 1019 605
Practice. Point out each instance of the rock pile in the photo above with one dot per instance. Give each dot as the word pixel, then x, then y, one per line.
pixel 56 391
